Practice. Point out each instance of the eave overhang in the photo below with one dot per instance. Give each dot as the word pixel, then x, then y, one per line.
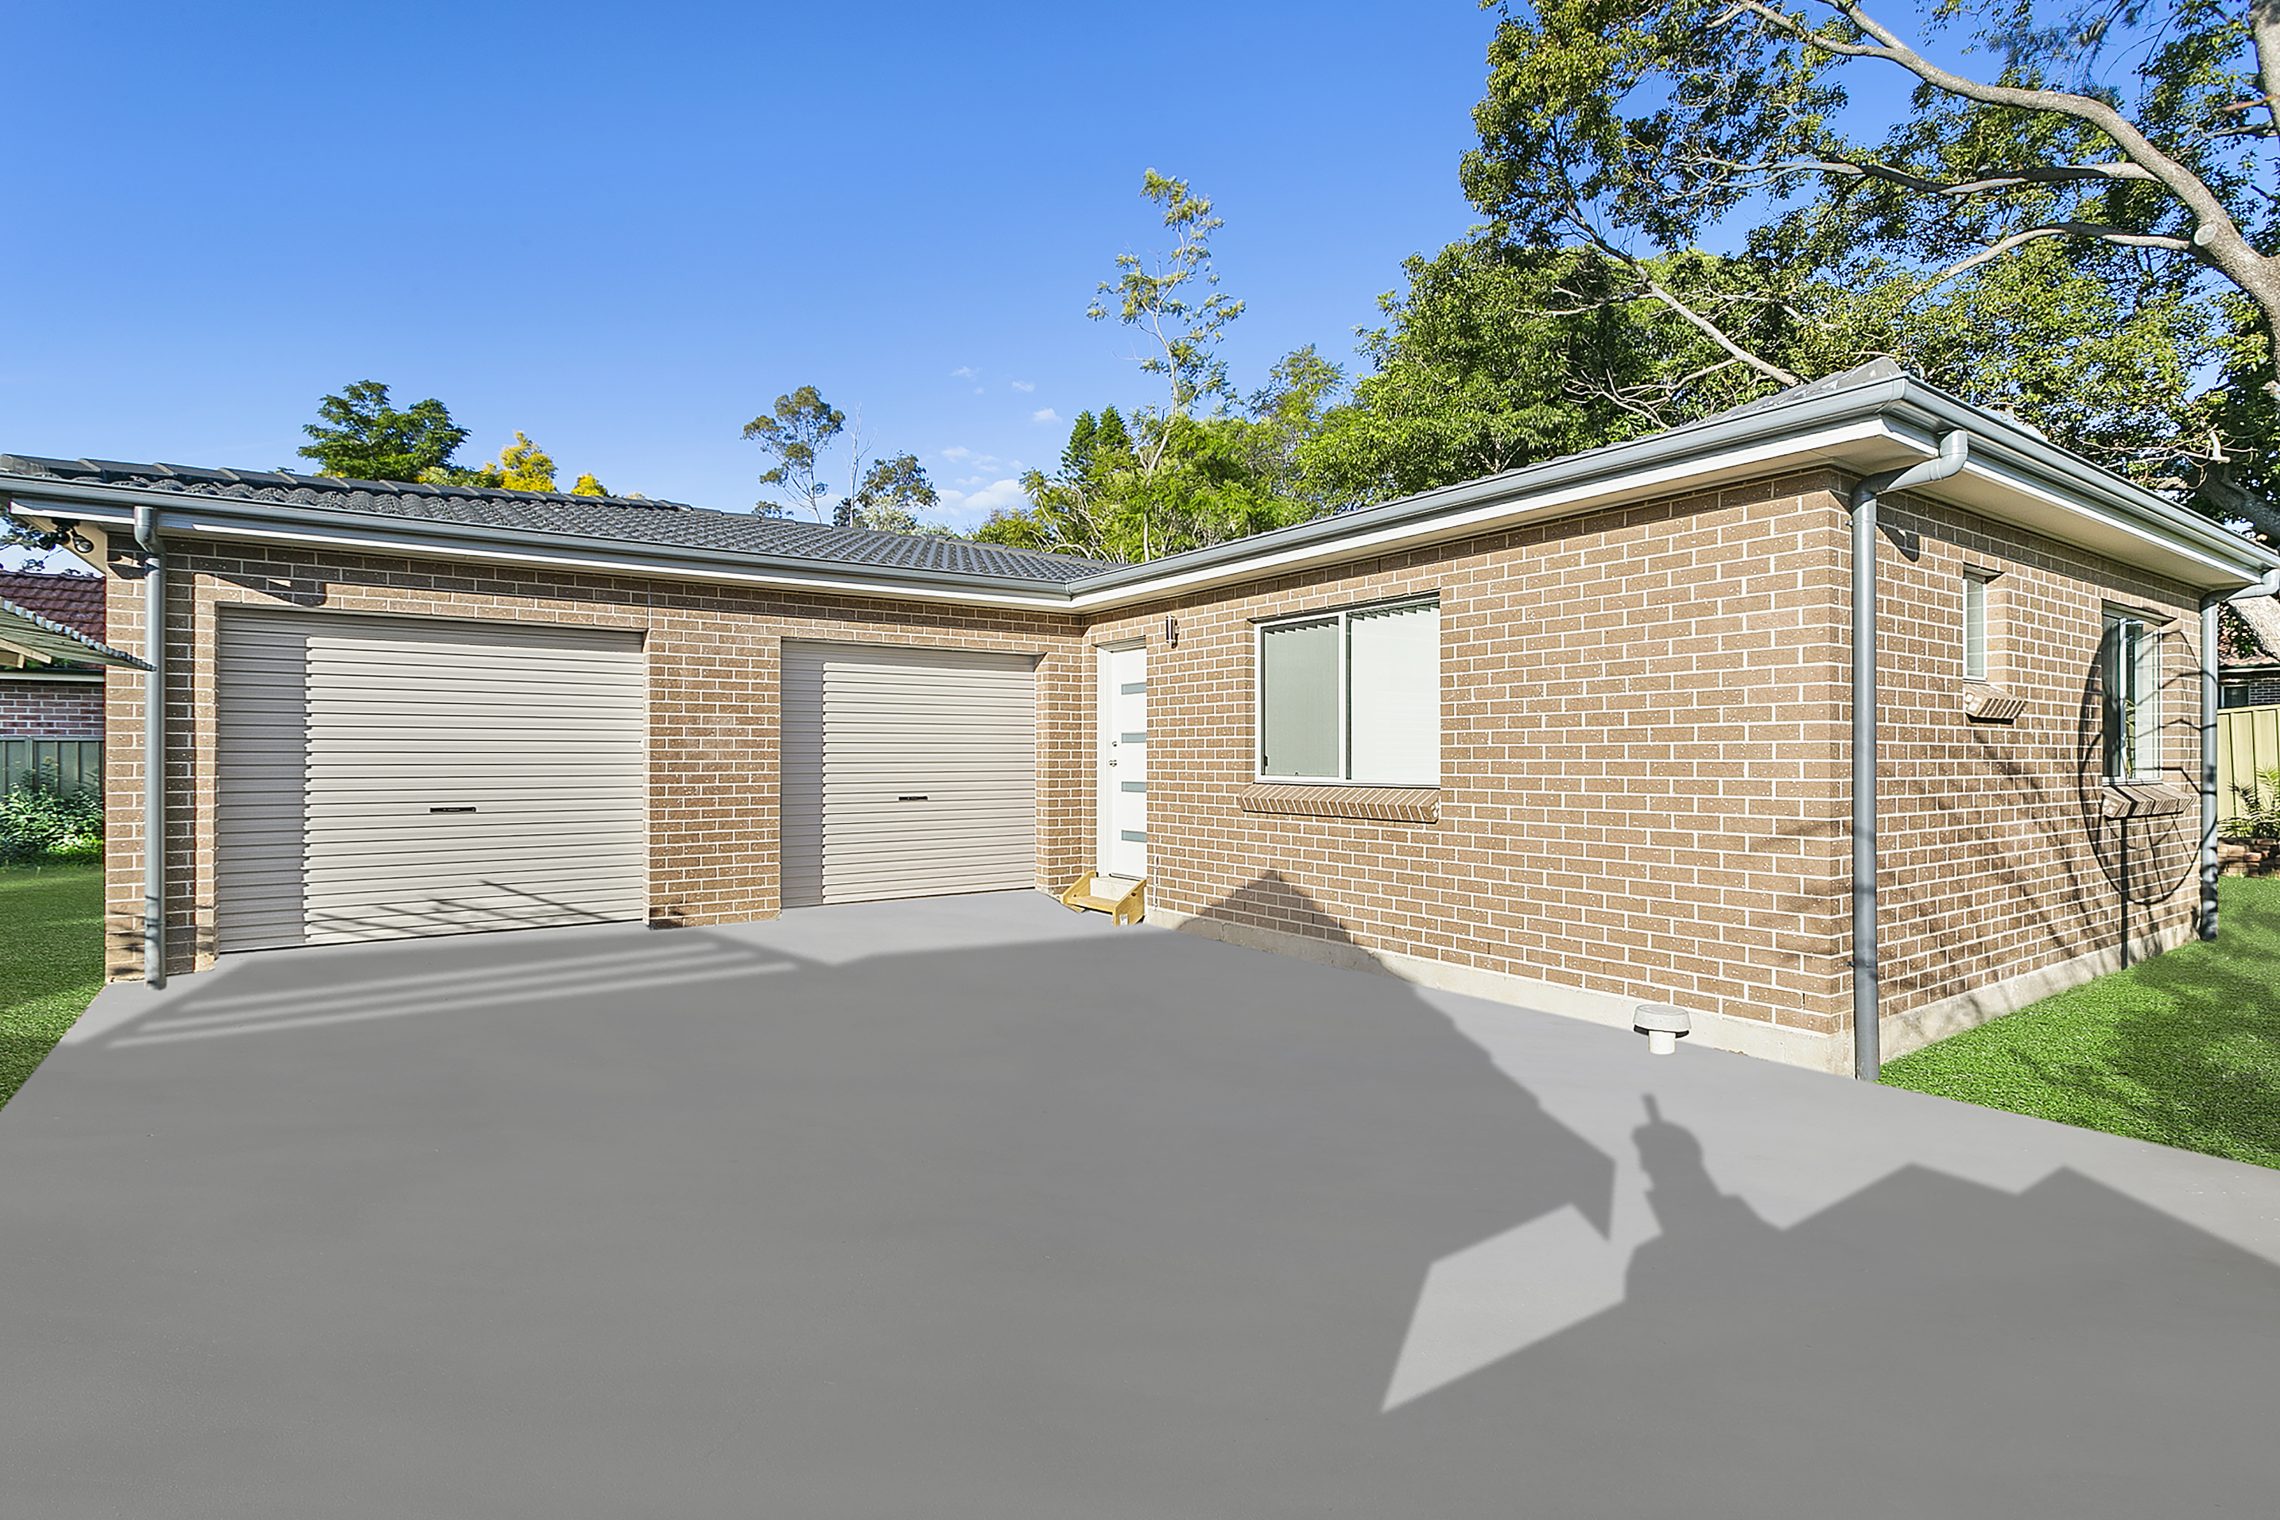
pixel 28 638
pixel 1859 430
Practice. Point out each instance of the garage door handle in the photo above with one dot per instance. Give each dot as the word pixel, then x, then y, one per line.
pixel 919 797
pixel 468 809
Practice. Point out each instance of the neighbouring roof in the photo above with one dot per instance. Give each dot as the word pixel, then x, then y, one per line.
pixel 627 519
pixel 2258 640
pixel 35 638
pixel 75 601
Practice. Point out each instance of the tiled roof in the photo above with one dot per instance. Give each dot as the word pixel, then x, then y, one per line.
pixel 555 513
pixel 2260 615
pixel 75 601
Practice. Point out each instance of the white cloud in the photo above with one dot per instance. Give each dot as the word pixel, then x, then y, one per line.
pixel 968 509
pixel 1025 386
pixel 974 459
pixel 1044 414
pixel 965 372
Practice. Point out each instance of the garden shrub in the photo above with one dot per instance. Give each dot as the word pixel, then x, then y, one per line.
pixel 40 820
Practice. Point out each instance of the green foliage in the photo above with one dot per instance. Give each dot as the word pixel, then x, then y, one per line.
pixel 362 436
pixel 587 485
pixel 1206 465
pixel 2079 237
pixel 40 820
pixel 524 466
pixel 2182 1049
pixel 2259 815
pixel 1490 360
pixel 1169 481
pixel 889 497
pixel 51 961
pixel 1175 300
pixel 795 434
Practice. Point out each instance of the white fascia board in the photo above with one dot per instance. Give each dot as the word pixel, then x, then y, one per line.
pixel 2016 497
pixel 1843 445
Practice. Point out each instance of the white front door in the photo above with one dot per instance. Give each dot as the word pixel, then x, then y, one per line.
pixel 1124 761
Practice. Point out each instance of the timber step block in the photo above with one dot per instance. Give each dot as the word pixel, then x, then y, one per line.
pixel 1123 898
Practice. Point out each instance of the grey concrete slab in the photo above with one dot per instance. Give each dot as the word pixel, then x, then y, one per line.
pixel 975 1208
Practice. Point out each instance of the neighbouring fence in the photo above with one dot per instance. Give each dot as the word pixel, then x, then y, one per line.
pixel 2248 744
pixel 77 763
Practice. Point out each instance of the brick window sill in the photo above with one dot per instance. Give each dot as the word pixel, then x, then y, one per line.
pixel 1985 703
pixel 2146 799
pixel 1385 804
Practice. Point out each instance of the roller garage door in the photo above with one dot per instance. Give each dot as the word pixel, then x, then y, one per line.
pixel 382 778
pixel 906 772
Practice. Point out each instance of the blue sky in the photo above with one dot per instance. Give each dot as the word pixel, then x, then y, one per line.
pixel 624 230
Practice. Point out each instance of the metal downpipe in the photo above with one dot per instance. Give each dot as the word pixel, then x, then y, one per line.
pixel 1955 448
pixel 2207 927
pixel 154 748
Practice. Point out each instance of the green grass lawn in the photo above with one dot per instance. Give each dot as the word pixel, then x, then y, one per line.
pixel 51 960
pixel 2183 1049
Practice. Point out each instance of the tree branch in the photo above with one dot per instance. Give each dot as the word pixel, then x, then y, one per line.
pixel 2052 174
pixel 2216 238
pixel 1684 312
pixel 2120 236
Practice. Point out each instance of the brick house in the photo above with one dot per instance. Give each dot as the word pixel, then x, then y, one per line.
pixel 1577 736
pixel 54 699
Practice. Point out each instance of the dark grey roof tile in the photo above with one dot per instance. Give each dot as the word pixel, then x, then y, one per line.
pixel 557 513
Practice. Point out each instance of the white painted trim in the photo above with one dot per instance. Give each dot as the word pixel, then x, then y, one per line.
pixel 1047 599
pixel 1660 480
pixel 1839 445
pixel 1342 616
pixel 1995 473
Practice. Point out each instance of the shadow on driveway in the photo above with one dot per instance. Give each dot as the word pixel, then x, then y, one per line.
pixel 972 1208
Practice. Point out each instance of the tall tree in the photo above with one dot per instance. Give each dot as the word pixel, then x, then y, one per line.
pixel 2127 147
pixel 890 496
pixel 1175 301
pixel 1493 357
pixel 1178 482
pixel 360 435
pixel 795 434
pixel 524 466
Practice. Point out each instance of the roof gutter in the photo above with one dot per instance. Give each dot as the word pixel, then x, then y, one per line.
pixel 1867 988
pixel 372 533
pixel 1884 422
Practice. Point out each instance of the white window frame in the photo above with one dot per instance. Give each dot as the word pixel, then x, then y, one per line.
pixel 1984 582
pixel 1345 701
pixel 2141 710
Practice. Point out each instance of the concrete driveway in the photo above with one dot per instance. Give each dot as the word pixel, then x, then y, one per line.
pixel 973 1208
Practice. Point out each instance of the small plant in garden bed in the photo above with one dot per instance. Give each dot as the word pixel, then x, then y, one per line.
pixel 41 820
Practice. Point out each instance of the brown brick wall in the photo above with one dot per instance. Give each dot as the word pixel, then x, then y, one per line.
pixel 46 709
pixel 1642 786
pixel 1997 854
pixel 714 657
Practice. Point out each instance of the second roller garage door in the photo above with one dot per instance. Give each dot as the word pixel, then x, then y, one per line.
pixel 906 772
pixel 387 777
